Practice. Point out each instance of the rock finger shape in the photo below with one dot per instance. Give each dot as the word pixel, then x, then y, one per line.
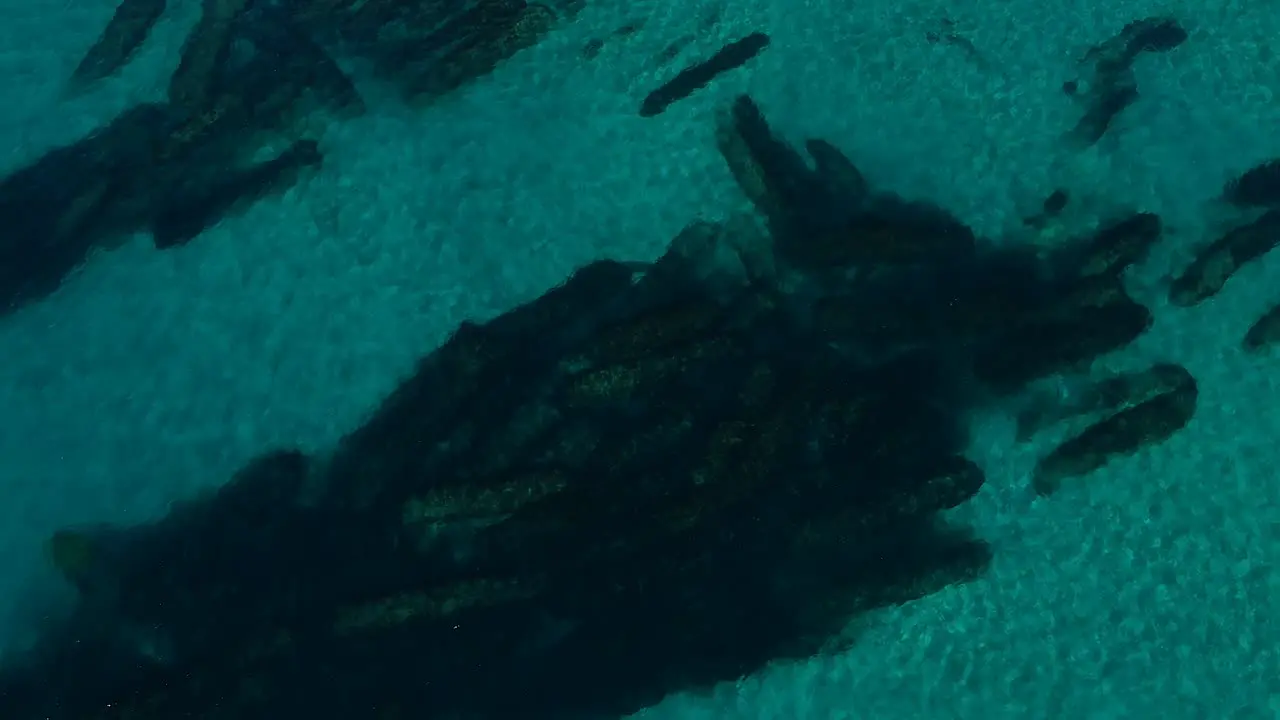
pixel 1214 266
pixel 129 28
pixel 1145 423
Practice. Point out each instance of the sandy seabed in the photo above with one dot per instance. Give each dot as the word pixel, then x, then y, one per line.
pixel 1149 589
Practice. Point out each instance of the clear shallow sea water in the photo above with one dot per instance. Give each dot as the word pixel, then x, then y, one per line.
pixel 1147 589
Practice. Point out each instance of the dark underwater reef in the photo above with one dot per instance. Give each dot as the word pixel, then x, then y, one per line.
pixel 255 78
pixel 655 477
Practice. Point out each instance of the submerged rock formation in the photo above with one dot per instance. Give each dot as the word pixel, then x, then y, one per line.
pixel 588 502
pixel 700 74
pixel 175 168
pixel 249 75
pixel 1107 85
pixel 1259 186
pixel 1218 261
pixel 1151 410
pixel 902 277
pixel 1090 396
pixel 653 477
pixel 1264 332
pixel 129 28
pixel 427 49
pixel 1126 412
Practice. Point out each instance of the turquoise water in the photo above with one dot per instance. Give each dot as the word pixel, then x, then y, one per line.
pixel 1146 589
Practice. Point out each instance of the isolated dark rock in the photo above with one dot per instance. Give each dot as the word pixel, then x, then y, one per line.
pixel 1089 396
pixel 1259 186
pixel 129 28
pixel 188 211
pixel 1051 208
pixel 1107 85
pixel 1214 265
pixel 1148 418
pixel 436 58
pixel 1264 332
pixel 656 476
pixel 1113 248
pixel 424 49
pixel 700 74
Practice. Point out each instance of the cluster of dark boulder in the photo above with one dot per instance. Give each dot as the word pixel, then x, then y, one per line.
pixel 1106 87
pixel 1257 193
pixel 255 79
pixel 425 49
pixel 655 476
